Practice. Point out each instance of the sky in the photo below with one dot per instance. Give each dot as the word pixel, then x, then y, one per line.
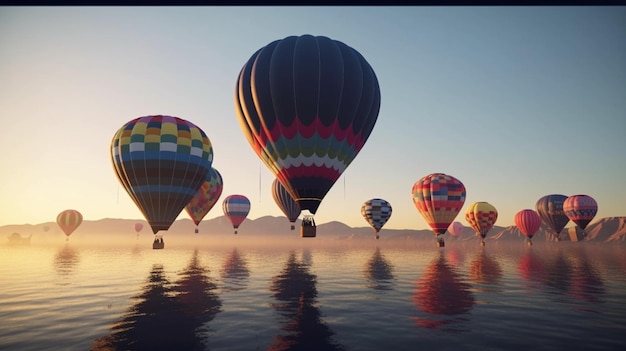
pixel 515 102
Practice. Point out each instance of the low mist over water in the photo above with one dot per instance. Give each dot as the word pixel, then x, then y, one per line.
pixel 311 294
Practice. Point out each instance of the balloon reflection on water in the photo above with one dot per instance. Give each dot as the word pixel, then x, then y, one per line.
pixel 235 272
pixel 442 297
pixel 531 269
pixel 378 272
pixel 166 315
pixel 295 292
pixel 65 261
pixel 586 283
pixel 485 272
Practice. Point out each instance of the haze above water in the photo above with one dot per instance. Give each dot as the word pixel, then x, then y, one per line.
pixel 311 295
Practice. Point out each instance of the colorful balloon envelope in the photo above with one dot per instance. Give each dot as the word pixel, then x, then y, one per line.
pixel 456 228
pixel 68 221
pixel 481 216
pixel 206 197
pixel 236 209
pixel 439 198
pixel 550 209
pixel 161 161
pixel 528 222
pixel 307 105
pixel 580 209
pixel 285 202
pixel 376 212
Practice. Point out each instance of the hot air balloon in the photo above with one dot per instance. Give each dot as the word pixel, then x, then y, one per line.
pixel 580 209
pixel 236 208
pixel 69 220
pixel 206 197
pixel 285 202
pixel 456 228
pixel 161 161
pixel 550 209
pixel 528 222
pixel 439 198
pixel 376 212
pixel 481 216
pixel 307 105
pixel 138 227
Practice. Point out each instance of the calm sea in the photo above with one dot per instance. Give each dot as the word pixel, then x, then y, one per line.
pixel 313 296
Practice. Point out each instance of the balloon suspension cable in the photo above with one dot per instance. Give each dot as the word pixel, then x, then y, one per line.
pixel 344 187
pixel 118 193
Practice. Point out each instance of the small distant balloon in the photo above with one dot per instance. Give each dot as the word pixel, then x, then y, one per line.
pixel 528 222
pixel 550 209
pixel 481 216
pixel 236 208
pixel 376 212
pixel 206 197
pixel 580 209
pixel 138 227
pixel 285 202
pixel 438 197
pixel 456 228
pixel 69 220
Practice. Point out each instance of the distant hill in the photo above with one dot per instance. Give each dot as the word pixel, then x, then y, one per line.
pixel 610 230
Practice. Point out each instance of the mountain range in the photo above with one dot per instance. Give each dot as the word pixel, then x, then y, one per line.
pixel 611 230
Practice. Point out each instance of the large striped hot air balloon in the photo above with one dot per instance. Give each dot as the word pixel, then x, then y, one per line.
pixel 376 212
pixel 550 209
pixel 481 216
pixel 307 105
pixel 161 161
pixel 580 209
pixel 69 220
pixel 236 209
pixel 285 202
pixel 439 198
pixel 206 197
pixel 528 222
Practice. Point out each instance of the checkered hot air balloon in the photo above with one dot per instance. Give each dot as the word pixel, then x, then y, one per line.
pixel 161 161
pixel 376 212
pixel 528 222
pixel 307 104
pixel 285 202
pixel 550 209
pixel 481 216
pixel 68 221
pixel 206 197
pixel 580 209
pixel 236 208
pixel 439 198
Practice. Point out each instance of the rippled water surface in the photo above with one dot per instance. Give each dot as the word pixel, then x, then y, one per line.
pixel 557 296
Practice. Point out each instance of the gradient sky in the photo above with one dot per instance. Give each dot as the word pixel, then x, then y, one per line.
pixel 516 102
